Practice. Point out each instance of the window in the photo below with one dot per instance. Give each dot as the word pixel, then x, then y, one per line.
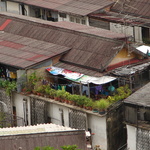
pixel 83 21
pixel 77 20
pixel 63 15
pixel 71 19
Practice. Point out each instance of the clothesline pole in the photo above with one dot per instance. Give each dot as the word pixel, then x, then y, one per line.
pixel 88 90
pixel 118 82
pixel 72 88
pixel 80 88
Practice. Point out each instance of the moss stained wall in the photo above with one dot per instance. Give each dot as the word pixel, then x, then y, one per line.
pixel 116 131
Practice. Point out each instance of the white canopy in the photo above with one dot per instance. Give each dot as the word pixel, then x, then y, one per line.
pixel 145 49
pixel 78 77
pixel 96 80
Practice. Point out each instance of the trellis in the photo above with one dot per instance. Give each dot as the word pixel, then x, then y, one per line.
pixel 77 119
pixel 143 139
pixel 38 111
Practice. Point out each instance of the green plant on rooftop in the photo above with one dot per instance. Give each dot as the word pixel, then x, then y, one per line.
pixel 33 79
pixel 9 86
pixel 121 93
pixel 70 147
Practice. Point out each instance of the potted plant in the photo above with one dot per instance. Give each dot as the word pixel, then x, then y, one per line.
pixel 81 101
pixel 95 107
pixel 47 90
pixel 60 95
pixel 33 79
pixel 52 93
pixel 66 97
pixel 103 104
pixel 88 104
pixel 40 90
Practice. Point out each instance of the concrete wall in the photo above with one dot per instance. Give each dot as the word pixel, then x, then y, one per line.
pixel 95 122
pixel 54 112
pixel 131 137
pixel 13 7
pixel 123 55
pixel 98 127
pixel 135 32
pixel 138 34
pixel 53 139
pixel 2 6
pixel 18 103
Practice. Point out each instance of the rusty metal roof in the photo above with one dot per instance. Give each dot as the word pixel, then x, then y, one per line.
pixel 24 52
pixel 78 7
pixel 138 8
pixel 90 30
pixel 140 97
pixel 78 69
pixel 90 51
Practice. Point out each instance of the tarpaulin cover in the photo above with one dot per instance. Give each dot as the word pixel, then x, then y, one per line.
pixel 145 49
pixel 96 80
pixel 66 73
pixel 78 77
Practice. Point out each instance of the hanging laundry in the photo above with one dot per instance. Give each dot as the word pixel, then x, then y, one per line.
pixel 69 88
pixel 13 75
pixel 111 88
pixel 85 89
pixel 63 87
pixel 98 89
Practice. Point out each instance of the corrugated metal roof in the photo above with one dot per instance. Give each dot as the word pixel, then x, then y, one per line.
pixel 115 17
pixel 78 69
pixel 24 52
pixel 140 97
pixel 90 30
pixel 138 8
pixel 88 50
pixel 78 7
pixel 40 128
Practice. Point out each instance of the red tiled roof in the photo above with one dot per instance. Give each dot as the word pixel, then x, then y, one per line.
pixel 78 7
pixel 24 52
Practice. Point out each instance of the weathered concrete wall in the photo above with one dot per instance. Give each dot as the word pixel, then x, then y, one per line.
pixel 54 139
pixel 7 100
pixel 116 131
pixel 131 141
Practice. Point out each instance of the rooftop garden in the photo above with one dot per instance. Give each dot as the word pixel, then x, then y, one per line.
pixel 100 105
